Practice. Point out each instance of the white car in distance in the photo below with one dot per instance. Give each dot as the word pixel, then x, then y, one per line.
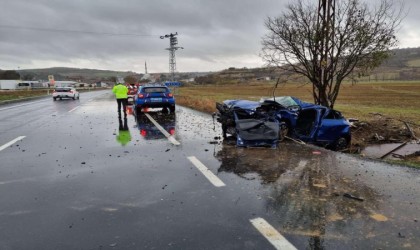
pixel 65 92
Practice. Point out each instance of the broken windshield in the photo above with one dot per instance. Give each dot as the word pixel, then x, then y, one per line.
pixel 285 101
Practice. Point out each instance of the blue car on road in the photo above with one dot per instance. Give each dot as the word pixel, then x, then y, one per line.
pixel 153 96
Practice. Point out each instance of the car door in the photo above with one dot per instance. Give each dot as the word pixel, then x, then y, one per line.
pixel 332 126
pixel 307 124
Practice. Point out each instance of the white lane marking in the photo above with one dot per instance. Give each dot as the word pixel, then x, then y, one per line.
pixel 271 234
pixel 170 137
pixel 74 109
pixel 20 105
pixel 11 142
pixel 206 172
pixel 301 165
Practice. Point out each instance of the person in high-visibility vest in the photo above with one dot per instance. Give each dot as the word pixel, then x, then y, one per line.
pixel 120 91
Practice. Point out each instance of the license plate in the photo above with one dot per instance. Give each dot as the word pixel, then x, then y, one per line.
pixel 155 99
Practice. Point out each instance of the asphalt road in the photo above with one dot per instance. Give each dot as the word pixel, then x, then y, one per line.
pixel 71 179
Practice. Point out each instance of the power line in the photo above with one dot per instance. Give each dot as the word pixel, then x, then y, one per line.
pixel 75 31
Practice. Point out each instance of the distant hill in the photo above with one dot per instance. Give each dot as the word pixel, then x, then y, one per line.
pixel 403 65
pixel 94 75
pixel 75 74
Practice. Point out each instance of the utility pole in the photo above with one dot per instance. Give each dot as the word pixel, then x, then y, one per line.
pixel 173 41
pixel 325 46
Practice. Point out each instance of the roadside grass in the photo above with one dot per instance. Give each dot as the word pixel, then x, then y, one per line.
pixel 6 95
pixel 408 163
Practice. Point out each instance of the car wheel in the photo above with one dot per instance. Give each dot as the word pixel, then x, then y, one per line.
pixel 78 97
pixel 55 99
pixel 61 98
pixel 172 109
pixel 74 97
pixel 341 144
pixel 231 130
pixel 284 131
pixel 138 110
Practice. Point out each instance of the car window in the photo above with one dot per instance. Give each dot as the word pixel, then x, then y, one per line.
pixel 333 114
pixel 155 90
pixel 62 90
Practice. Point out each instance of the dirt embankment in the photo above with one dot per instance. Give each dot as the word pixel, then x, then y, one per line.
pixel 380 130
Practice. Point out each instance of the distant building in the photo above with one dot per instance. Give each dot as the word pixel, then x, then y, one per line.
pixel 8 84
pixel 101 84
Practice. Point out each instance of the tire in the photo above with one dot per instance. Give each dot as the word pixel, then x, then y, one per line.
pixel 172 109
pixel 283 131
pixel 78 97
pixel 74 97
pixel 231 130
pixel 341 144
pixel 54 98
pixel 138 110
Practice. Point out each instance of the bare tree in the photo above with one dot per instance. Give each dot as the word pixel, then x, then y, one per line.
pixel 131 79
pixel 355 39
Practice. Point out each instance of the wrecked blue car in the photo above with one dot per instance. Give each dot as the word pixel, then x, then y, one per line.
pixel 245 121
pixel 296 119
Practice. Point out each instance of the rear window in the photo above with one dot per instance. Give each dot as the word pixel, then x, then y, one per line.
pixel 155 90
pixel 62 90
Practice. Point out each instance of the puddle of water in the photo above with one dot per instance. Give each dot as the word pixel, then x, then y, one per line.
pixel 376 151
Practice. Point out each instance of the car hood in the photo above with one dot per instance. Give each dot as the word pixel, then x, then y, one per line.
pixel 243 104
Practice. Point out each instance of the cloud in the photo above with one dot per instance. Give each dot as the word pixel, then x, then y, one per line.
pixel 215 34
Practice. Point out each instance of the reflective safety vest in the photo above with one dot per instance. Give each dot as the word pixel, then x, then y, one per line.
pixel 120 91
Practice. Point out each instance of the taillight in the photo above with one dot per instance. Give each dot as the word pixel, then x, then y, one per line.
pixel 172 131
pixel 140 95
pixel 143 132
pixel 170 95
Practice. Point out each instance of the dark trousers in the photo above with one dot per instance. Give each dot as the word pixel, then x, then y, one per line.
pixel 124 102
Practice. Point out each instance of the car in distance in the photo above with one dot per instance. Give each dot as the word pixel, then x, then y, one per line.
pixel 154 96
pixel 132 90
pixel 65 92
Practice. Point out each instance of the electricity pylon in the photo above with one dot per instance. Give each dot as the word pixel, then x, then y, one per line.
pixel 173 41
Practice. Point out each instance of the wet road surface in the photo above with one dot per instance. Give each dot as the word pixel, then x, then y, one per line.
pixel 74 180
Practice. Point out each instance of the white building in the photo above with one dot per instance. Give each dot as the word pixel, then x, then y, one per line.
pixel 8 84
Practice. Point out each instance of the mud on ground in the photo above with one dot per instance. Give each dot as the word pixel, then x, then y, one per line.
pixel 381 129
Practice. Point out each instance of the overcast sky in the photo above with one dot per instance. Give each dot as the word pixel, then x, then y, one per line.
pixel 215 34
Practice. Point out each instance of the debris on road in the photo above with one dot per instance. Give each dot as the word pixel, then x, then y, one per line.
pixel 347 195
